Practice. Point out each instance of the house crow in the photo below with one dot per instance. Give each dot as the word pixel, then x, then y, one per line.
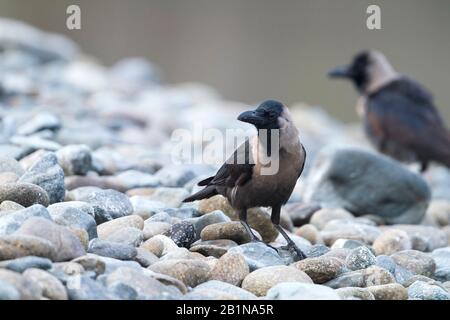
pixel 399 114
pixel 248 179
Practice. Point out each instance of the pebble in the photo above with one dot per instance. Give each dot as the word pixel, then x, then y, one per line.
pixel 132 179
pixel 47 174
pixel 231 268
pixel 415 261
pixel 189 271
pixel 420 290
pixel 354 293
pixel 439 212
pixel 224 287
pixel 81 287
pixel 107 229
pixel 147 287
pixel 233 230
pixel 10 206
pixel 51 287
pixel 390 291
pixel 214 248
pixel 260 281
pixel 75 159
pixel 360 258
pixel 371 276
pixel 17 246
pixel 441 259
pixel 301 213
pixel 171 197
pixel 27 262
pixel 9 164
pixel 145 258
pixel 321 217
pixel 258 218
pixel 159 245
pixel 106 203
pixel 320 269
pixel 74 218
pixel 128 235
pixel 153 228
pixel 201 222
pixel 26 289
pixel 258 255
pixel 145 207
pixel 341 229
pixel 112 249
pixel 301 291
pixel 174 176
pixel 25 194
pixel 67 245
pixel 424 238
pixel 391 241
pixel 183 234
pixel 310 233
pixel 8 291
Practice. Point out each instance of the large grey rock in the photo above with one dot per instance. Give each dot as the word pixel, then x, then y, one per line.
pixel 342 178
pixel 47 174
pixel 51 287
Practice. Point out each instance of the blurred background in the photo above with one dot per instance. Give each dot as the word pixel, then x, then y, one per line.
pixel 256 49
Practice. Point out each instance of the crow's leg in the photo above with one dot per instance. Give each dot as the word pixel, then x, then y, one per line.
pixel 290 244
pixel 254 238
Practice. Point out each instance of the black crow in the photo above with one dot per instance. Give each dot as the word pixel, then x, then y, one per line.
pixel 248 179
pixel 399 115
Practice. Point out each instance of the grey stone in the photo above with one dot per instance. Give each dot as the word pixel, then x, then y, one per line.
pixel 75 218
pixel 24 263
pixel 9 164
pixel 227 288
pixel 258 255
pixel 174 176
pixel 128 235
pixel 67 245
pixel 105 202
pixel 112 249
pixel 301 291
pixel 182 233
pixel 75 159
pixel 8 291
pixel 25 194
pixel 17 246
pixel 342 178
pixel 420 290
pixel 360 258
pixel 47 174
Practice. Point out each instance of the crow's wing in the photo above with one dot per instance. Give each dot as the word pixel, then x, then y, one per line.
pixel 404 112
pixel 237 170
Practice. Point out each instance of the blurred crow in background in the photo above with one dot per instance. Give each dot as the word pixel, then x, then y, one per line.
pixel 243 180
pixel 399 115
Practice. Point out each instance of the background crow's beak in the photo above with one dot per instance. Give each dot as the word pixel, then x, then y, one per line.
pixel 340 72
pixel 251 117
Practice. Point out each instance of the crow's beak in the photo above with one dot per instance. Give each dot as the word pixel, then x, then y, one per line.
pixel 340 72
pixel 252 117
